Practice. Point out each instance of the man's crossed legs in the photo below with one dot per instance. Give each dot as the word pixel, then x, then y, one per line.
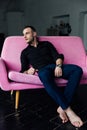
pixel 73 74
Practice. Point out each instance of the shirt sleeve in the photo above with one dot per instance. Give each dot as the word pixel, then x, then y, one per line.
pixel 24 62
pixel 54 52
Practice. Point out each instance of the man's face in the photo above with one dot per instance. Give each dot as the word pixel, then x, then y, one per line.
pixel 29 35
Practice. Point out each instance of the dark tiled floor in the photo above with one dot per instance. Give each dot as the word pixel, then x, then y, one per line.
pixel 37 111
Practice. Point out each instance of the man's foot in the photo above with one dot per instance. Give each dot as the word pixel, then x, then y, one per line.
pixel 62 114
pixel 74 119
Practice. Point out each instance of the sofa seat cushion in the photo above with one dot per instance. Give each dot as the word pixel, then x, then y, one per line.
pixel 32 79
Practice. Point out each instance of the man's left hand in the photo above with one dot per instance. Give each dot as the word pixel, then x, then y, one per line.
pixel 58 72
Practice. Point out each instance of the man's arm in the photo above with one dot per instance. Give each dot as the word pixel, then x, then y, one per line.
pixel 25 66
pixel 55 53
pixel 24 62
pixel 58 59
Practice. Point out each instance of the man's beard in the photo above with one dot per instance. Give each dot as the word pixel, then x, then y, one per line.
pixel 30 42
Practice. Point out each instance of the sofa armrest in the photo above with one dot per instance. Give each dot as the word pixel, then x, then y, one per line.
pixel 4 82
pixel 24 78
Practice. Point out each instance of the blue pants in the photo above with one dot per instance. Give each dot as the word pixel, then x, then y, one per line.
pixel 71 72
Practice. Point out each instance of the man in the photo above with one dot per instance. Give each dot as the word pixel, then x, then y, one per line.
pixel 43 58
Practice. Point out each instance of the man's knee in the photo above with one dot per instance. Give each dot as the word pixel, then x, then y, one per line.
pixel 79 70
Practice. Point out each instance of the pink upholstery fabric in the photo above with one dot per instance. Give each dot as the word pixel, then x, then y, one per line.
pixel 71 46
pixel 24 78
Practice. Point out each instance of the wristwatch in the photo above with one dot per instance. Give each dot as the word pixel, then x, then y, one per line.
pixel 59 65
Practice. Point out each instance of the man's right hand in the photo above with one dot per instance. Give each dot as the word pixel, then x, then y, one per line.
pixel 30 71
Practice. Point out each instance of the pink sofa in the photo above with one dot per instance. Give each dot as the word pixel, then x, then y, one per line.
pixel 11 79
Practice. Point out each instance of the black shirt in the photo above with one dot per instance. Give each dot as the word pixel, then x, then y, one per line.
pixel 40 56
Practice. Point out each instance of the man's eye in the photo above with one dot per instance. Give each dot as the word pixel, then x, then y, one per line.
pixel 27 33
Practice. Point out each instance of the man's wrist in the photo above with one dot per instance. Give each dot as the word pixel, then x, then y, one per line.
pixel 59 65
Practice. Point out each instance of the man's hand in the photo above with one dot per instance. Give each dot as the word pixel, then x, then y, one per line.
pixel 30 71
pixel 58 71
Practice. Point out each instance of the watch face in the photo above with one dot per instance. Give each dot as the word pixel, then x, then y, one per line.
pixel 59 65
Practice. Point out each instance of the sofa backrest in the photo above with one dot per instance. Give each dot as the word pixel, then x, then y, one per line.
pixel 71 46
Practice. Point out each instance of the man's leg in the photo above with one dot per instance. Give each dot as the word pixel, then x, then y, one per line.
pixel 73 74
pixel 47 77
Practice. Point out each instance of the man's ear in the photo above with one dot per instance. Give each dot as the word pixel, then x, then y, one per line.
pixel 35 34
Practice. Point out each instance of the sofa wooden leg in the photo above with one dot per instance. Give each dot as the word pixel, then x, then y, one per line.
pixel 17 99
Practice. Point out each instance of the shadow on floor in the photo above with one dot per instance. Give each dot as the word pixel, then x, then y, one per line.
pixel 37 111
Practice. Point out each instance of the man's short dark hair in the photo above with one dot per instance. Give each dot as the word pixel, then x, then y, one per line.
pixel 30 27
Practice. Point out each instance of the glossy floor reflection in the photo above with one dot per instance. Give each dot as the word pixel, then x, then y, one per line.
pixel 37 111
